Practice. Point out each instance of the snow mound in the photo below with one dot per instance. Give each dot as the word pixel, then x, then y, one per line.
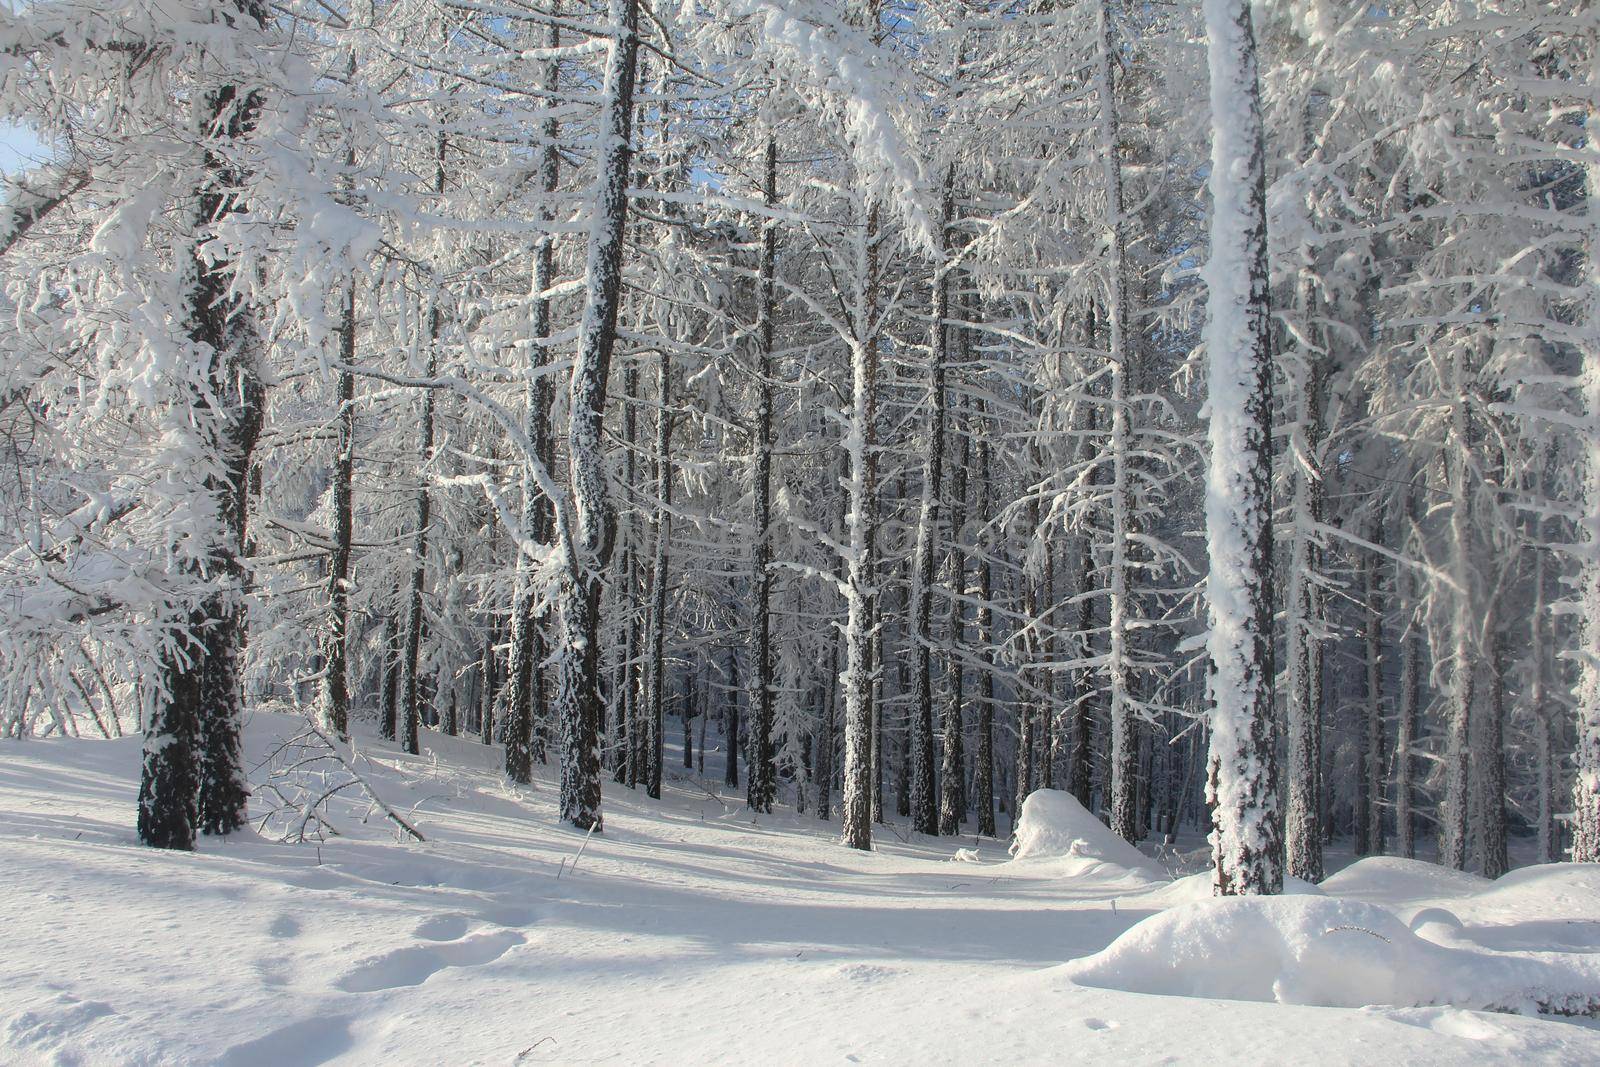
pixel 1326 952
pixel 1392 880
pixel 1560 887
pixel 1055 827
pixel 1201 886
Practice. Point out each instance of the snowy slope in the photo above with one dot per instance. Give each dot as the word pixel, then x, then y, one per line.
pixel 689 932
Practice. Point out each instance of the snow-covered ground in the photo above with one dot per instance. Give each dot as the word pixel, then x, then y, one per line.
pixel 691 932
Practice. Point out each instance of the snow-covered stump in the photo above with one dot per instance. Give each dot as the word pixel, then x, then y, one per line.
pixel 1242 775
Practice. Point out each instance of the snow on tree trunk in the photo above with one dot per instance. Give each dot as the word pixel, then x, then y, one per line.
pixel 1538 704
pixel 862 492
pixel 410 661
pixel 1303 626
pixel 579 707
pixel 1242 772
pixel 952 770
pixel 1407 717
pixel 924 811
pixel 1489 762
pixel 730 723
pixel 1124 755
pixel 336 668
pixel 1586 783
pixel 525 674
pixel 762 779
pixel 391 679
pixel 191 774
pixel 1373 756
pixel 1454 822
pixel 661 532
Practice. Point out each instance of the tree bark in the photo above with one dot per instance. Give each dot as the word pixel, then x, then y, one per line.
pixel 661 532
pixel 1242 769
pixel 862 489
pixel 579 707
pixel 762 781
pixel 191 774
pixel 526 726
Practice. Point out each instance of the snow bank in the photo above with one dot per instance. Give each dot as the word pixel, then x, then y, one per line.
pixel 1201 886
pixel 1392 880
pixel 1550 888
pixel 1326 952
pixel 1054 827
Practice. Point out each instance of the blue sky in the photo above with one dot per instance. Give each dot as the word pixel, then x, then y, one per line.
pixel 19 148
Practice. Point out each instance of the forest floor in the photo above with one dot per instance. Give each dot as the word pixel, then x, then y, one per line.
pixel 688 932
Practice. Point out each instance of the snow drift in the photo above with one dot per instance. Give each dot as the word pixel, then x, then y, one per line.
pixel 1054 827
pixel 1326 952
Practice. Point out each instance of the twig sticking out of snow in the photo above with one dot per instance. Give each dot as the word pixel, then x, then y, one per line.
pixel 366 786
pixel 288 784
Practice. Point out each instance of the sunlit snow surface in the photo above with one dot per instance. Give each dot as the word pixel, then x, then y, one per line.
pixel 689 932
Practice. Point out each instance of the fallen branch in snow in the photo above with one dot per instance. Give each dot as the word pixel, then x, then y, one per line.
pixel 299 784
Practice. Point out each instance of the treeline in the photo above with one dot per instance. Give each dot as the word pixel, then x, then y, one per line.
pixel 917 404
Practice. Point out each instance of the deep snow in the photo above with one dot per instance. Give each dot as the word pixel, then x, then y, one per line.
pixel 689 932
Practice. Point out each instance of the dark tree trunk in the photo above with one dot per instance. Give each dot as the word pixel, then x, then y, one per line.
pixel 409 662
pixel 688 714
pixel 983 766
pixel 192 774
pixel 762 780
pixel 730 723
pixel 336 669
pixel 526 714
pixel 861 563
pixel 924 806
pixel 1490 752
pixel 580 707
pixel 391 678
pixel 661 531
pixel 952 784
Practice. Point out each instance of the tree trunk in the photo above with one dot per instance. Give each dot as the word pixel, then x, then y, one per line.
pixel 862 488
pixel 1374 757
pixel 762 780
pixel 336 671
pixel 1453 812
pixel 526 725
pixel 1586 712
pixel 924 811
pixel 1124 746
pixel 391 679
pixel 1242 770
pixel 687 713
pixel 1489 762
pixel 1407 718
pixel 730 724
pixel 983 787
pixel 1303 824
pixel 191 773
pixel 952 783
pixel 409 660
pixel 661 532
pixel 579 706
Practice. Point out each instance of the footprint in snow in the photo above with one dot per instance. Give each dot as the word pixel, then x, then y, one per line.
pixel 868 972
pixel 1099 1024
pixel 415 964
pixel 441 928
pixel 284 927
pixel 47 1026
pixel 306 1041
